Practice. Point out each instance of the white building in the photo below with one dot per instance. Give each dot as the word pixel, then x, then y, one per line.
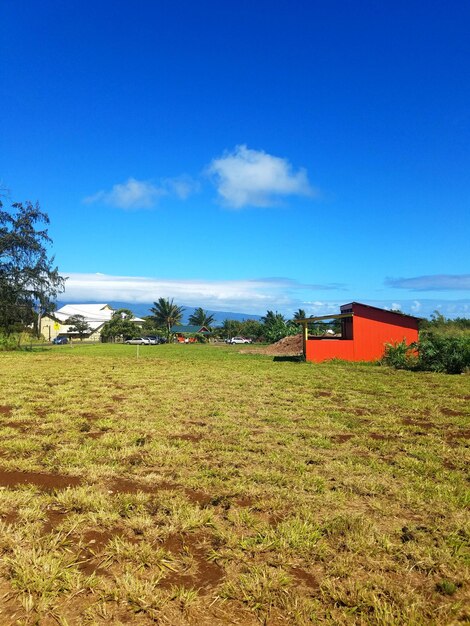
pixel 96 315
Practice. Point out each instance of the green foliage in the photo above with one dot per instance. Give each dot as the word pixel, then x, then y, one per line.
pixel 120 325
pixel 435 352
pixel 9 342
pixel 28 279
pixel 276 326
pixel 442 353
pixel 78 324
pixel 166 314
pixel 401 356
pixel 299 314
pixel 201 318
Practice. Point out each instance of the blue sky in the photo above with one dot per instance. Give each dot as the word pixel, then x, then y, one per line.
pixel 245 155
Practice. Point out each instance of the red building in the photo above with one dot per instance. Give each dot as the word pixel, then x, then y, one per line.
pixel 364 332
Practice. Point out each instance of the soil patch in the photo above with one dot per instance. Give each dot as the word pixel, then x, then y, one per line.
pixel 94 435
pixel 118 398
pixel 381 437
pixel 95 541
pixel 46 482
pixel 409 421
pixel 195 423
pixel 21 426
pixel 304 577
pixel 341 438
pixel 458 434
pixel 125 485
pixel 323 394
pixel 54 519
pixel 5 409
pixel 208 574
pixel 288 346
pixel 186 437
pixel 11 517
pixel 452 412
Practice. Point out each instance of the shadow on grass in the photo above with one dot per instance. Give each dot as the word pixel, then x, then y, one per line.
pixel 298 358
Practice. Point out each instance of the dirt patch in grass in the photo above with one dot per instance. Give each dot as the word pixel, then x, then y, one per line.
pixel 341 437
pixel 464 433
pixel 208 574
pixel 381 437
pixel 11 517
pixel 323 394
pixel 118 398
pixel 54 519
pixel 452 412
pixel 90 416
pixel 46 482
pixel 94 542
pixel 187 437
pixel 6 409
pixel 125 485
pixel 409 421
pixel 304 577
pixel 22 427
pixel 94 435
pixel 196 423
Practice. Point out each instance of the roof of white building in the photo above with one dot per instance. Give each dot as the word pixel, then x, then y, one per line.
pixel 95 314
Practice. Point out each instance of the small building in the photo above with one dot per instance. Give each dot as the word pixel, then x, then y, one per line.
pixel 95 315
pixel 364 332
pixel 185 334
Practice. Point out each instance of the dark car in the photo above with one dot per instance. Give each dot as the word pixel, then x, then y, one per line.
pixel 59 341
pixel 155 340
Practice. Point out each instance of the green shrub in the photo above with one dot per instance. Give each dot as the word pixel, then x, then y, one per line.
pixel 435 352
pixel 401 356
pixel 444 353
pixel 9 342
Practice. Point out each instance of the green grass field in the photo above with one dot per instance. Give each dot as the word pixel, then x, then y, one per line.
pixel 199 485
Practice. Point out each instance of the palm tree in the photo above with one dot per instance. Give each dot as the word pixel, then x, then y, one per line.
pixel 166 313
pixel 201 318
pixel 299 315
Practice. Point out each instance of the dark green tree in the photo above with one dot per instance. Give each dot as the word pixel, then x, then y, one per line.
pixel 252 329
pixel 79 325
pixel 299 314
pixel 230 328
pixel 29 282
pixel 120 325
pixel 276 326
pixel 166 314
pixel 201 318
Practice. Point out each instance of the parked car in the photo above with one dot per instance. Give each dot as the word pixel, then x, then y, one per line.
pixel 240 340
pixel 59 341
pixel 155 340
pixel 139 341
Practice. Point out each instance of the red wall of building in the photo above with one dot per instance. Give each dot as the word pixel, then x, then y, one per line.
pixel 372 329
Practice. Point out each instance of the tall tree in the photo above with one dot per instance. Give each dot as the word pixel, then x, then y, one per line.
pixel 166 314
pixel 121 324
pixel 29 282
pixel 299 314
pixel 79 325
pixel 201 318
pixel 276 326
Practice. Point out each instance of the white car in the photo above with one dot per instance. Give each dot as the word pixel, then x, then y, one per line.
pixel 240 340
pixel 139 341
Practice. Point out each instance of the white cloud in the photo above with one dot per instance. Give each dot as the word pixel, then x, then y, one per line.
pixel 435 282
pixel 247 177
pixel 416 306
pixel 143 194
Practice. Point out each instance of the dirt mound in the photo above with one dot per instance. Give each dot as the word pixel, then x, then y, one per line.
pixel 288 346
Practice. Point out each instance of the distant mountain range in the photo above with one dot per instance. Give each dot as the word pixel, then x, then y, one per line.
pixel 142 309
